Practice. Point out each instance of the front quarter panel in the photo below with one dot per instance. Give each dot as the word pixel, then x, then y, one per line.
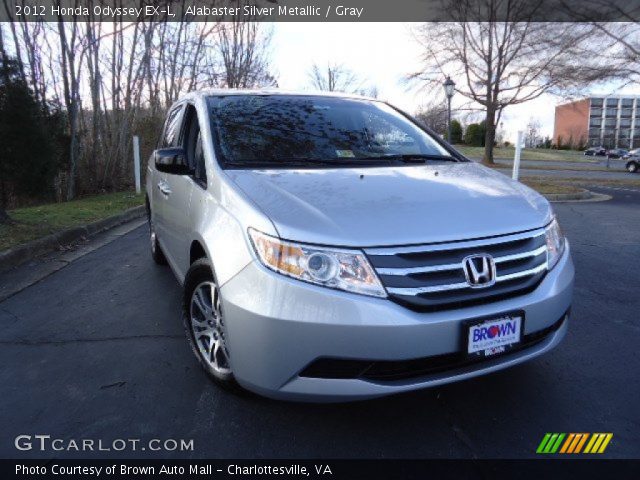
pixel 223 215
pixel 221 228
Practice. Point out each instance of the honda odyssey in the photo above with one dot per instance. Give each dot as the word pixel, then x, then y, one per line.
pixel 332 248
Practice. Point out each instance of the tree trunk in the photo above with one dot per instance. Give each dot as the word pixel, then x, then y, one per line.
pixel 5 219
pixel 490 136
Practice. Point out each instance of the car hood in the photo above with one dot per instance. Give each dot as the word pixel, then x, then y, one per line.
pixel 402 205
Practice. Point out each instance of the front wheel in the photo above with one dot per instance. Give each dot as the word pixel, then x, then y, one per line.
pixel 632 167
pixel 204 322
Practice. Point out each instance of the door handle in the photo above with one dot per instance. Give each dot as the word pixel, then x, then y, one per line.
pixel 164 188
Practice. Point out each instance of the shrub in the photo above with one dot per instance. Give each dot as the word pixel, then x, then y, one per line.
pixel 456 132
pixel 475 134
pixel 30 144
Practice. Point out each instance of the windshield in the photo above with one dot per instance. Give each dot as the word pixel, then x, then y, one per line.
pixel 254 131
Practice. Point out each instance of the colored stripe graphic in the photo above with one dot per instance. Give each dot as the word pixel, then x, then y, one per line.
pixel 543 443
pixel 556 445
pixel 581 442
pixel 550 443
pixel 598 442
pixel 605 442
pixel 549 446
pixel 577 443
pixel 565 447
pixel 574 443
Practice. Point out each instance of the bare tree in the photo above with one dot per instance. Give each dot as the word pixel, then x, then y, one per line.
pixel 4 61
pixel 623 51
pixel 70 68
pixel 434 116
pixel 334 78
pixel 617 41
pixel 244 48
pixel 112 79
pixel 500 63
pixel 532 134
pixel 371 91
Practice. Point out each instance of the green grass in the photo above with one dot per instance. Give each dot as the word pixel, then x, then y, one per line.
pixel 566 168
pixel 35 222
pixel 586 182
pixel 527 154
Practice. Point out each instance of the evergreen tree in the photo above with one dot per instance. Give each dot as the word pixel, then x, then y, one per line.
pixel 28 161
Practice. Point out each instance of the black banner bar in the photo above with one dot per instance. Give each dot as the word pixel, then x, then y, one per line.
pixel 542 469
pixel 321 10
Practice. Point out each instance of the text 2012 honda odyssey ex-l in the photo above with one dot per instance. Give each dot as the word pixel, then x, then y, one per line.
pixel 330 248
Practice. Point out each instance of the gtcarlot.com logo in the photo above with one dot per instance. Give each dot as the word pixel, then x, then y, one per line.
pixel 574 443
pixel 45 443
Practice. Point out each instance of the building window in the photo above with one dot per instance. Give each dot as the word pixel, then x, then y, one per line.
pixel 625 122
pixel 610 123
pixel 627 102
pixel 612 112
pixel 595 122
pixel 594 135
pixel 596 112
pixel 596 102
pixel 612 102
pixel 626 112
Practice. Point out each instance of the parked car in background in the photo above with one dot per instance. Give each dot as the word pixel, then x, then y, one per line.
pixel 632 153
pixel 596 151
pixel 617 153
pixel 633 164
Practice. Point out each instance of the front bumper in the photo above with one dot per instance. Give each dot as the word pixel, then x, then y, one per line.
pixel 277 326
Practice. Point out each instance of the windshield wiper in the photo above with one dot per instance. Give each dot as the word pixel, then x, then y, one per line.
pixel 419 157
pixel 308 163
pixel 340 162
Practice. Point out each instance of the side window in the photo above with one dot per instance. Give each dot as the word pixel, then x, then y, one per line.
pixel 192 143
pixel 171 131
pixel 200 169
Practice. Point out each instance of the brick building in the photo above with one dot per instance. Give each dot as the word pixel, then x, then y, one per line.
pixel 613 122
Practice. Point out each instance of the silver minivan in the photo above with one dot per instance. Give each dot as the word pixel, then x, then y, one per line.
pixel 331 248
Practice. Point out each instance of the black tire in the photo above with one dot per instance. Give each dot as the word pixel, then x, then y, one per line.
pixel 199 273
pixel 632 167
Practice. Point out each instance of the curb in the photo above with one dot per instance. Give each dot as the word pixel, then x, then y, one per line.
pixel 15 256
pixel 584 194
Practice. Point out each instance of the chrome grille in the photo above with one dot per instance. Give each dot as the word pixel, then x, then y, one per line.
pixel 432 276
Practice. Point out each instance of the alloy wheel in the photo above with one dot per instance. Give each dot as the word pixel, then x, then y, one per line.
pixel 207 327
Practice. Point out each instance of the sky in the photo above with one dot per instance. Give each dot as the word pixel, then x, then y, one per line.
pixel 381 54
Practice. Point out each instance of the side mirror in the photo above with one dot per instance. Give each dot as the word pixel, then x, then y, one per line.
pixel 172 160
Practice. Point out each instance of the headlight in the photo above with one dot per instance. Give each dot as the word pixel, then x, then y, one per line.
pixel 341 269
pixel 555 243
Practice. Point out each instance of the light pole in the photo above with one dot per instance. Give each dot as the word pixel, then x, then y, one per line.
pixel 449 89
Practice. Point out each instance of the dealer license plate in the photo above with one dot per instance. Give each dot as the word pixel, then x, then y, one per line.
pixel 494 336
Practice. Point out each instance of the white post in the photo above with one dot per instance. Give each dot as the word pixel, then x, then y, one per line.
pixel 516 158
pixel 136 161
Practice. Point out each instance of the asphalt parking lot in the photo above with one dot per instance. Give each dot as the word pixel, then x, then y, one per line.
pixel 96 350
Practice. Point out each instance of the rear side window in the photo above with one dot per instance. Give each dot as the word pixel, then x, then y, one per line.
pixel 171 134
